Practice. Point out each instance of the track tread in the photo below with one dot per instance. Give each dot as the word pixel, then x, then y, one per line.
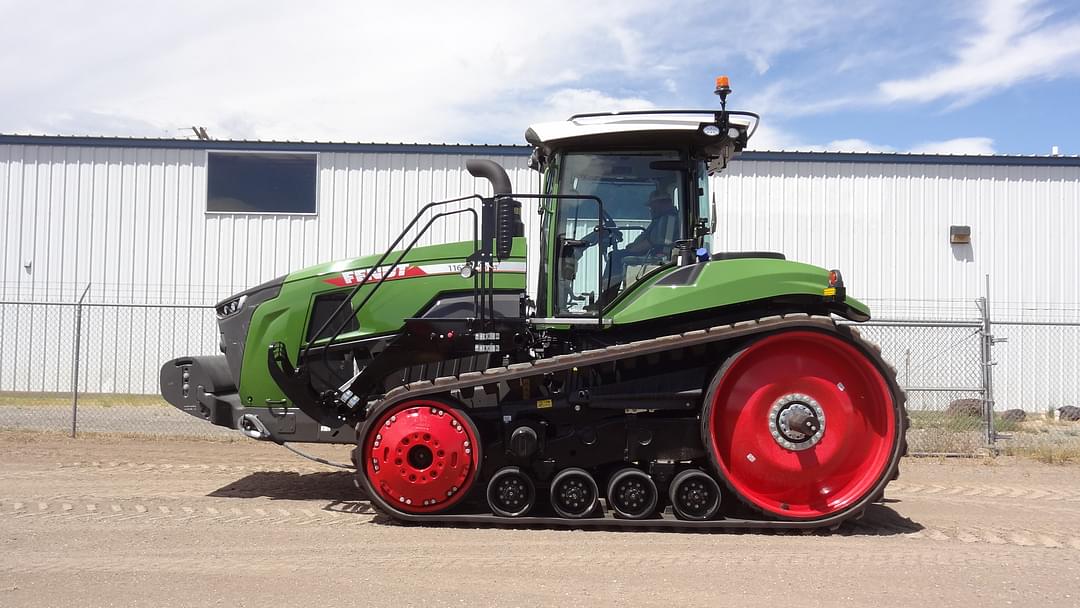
pixel 741 329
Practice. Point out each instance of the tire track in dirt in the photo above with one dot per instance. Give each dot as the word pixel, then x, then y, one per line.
pixel 901 488
pixel 355 514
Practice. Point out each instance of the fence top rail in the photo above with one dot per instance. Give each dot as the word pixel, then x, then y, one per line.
pixel 911 323
pixel 106 305
pixel 1039 323
pixel 871 323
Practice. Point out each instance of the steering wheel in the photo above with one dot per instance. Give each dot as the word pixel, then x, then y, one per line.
pixel 614 235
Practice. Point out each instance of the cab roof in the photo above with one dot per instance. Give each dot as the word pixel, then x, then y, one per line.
pixel 717 135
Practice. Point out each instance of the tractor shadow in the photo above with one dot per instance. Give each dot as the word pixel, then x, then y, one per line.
pixel 878 520
pixel 335 488
pixel 338 493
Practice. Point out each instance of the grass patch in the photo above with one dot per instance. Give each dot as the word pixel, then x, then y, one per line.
pixel 1049 454
pixel 1007 426
pixel 944 422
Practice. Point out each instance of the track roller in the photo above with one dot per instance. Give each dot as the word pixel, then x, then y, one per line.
pixel 574 494
pixel 510 493
pixel 694 495
pixel 632 494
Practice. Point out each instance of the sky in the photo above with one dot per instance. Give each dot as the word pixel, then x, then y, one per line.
pixel 963 77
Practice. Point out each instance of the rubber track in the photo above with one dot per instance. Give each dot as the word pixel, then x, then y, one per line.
pixel 617 352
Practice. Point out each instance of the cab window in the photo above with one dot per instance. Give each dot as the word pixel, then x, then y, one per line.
pixel 604 247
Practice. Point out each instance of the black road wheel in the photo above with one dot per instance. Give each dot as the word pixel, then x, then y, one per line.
pixel 694 495
pixel 574 494
pixel 632 494
pixel 510 493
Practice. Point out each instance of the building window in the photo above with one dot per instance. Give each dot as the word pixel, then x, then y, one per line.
pixel 240 182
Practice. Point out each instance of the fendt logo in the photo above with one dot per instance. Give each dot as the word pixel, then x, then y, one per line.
pixel 355 277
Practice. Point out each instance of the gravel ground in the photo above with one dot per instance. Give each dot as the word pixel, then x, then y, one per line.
pixel 165 420
pixel 125 419
pixel 130 522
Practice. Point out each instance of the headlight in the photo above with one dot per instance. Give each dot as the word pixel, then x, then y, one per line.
pixel 231 307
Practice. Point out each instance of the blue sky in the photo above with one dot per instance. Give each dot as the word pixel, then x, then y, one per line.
pixel 971 76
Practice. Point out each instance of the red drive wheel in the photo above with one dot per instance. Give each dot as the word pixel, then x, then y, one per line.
pixel 801 425
pixel 421 456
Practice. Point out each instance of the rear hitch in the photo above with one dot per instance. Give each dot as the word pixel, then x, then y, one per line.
pixel 251 426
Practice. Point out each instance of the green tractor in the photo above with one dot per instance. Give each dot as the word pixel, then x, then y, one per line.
pixel 652 382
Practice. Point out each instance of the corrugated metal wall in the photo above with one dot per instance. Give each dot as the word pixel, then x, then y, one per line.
pixel 130 221
pixel 886 226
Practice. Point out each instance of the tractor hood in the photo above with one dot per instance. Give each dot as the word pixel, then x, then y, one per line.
pixel 721 283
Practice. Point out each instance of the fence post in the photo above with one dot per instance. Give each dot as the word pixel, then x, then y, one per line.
pixel 75 362
pixel 987 366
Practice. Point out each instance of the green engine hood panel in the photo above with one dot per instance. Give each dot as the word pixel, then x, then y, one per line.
pixel 423 274
pixel 721 283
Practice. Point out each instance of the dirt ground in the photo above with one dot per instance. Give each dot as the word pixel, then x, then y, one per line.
pixel 125 522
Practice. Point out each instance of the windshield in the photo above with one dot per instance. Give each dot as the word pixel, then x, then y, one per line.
pixel 601 252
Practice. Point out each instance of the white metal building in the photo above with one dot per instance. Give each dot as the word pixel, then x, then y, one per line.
pixel 132 219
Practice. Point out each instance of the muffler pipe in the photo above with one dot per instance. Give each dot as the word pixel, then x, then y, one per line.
pixel 491 171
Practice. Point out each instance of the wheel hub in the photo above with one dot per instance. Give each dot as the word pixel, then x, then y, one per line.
pixel 421 458
pixel 574 494
pixel 512 493
pixel 796 421
pixel 694 496
pixel 632 494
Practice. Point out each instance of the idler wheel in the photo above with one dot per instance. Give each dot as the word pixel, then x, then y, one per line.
pixel 510 493
pixel 574 494
pixel 632 494
pixel 802 425
pixel 421 456
pixel 694 495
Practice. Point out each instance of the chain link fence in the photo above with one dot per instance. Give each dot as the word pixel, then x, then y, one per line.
pixel 1037 387
pixel 93 368
pixel 939 364
pixel 972 386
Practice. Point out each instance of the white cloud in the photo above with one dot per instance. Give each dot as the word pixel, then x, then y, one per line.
pixel 788 98
pixel 781 140
pixel 475 71
pixel 771 137
pixel 466 71
pixel 352 71
pixel 856 145
pixel 959 145
pixel 1015 43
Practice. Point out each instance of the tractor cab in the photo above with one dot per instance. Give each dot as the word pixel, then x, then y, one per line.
pixel 625 195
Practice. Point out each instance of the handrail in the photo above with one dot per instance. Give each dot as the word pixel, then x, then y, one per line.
pixel 386 273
